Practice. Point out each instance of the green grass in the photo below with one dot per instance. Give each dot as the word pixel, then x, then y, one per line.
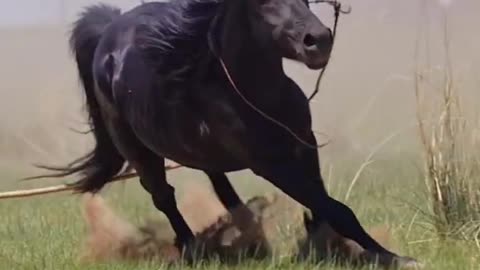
pixel 46 232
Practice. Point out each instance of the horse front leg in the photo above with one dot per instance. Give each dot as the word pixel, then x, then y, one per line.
pixel 242 216
pixel 299 177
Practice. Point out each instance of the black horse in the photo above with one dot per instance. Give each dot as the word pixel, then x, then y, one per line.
pixel 157 86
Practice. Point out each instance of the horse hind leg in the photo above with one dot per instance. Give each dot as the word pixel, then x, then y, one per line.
pixel 151 170
pixel 149 166
pixel 153 179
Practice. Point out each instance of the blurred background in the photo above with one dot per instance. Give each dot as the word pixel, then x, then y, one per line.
pixel 366 96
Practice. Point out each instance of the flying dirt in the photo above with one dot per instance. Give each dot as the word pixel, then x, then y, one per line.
pixel 109 237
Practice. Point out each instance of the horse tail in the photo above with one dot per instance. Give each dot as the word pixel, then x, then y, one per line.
pixel 103 163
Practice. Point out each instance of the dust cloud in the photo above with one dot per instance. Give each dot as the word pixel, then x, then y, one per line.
pixel 108 236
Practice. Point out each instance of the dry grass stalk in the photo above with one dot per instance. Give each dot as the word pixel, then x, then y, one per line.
pixel 448 141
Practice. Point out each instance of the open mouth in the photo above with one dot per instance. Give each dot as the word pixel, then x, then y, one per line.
pixel 315 58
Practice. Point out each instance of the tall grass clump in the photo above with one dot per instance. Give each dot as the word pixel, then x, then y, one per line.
pixel 450 146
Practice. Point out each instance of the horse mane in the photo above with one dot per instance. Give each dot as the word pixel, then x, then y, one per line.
pixel 176 38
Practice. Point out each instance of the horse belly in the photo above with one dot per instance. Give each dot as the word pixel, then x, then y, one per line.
pixel 192 143
pixel 204 156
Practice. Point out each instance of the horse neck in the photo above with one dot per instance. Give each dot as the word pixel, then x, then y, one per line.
pixel 251 65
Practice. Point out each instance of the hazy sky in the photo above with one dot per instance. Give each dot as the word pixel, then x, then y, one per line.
pixel 28 12
pixel 32 12
pixel 21 12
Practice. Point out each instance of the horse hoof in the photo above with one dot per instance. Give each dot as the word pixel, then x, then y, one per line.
pixel 408 263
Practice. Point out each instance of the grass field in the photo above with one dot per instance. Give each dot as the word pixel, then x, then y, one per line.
pixel 46 232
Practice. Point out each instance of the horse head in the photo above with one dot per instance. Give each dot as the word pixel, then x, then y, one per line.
pixel 293 30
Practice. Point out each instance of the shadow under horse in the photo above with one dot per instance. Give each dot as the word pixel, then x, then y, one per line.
pixel 201 82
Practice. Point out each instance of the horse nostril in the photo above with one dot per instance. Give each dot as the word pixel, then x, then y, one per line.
pixel 309 40
pixel 321 41
pixel 325 37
